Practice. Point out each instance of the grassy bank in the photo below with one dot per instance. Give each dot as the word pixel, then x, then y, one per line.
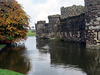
pixel 30 33
pixel 56 39
pixel 7 72
pixel 2 46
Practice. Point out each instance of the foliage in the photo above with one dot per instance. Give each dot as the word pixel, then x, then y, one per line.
pixel 13 21
pixel 7 72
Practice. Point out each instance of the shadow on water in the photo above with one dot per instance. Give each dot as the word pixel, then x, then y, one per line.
pixel 72 56
pixel 12 59
pixel 44 57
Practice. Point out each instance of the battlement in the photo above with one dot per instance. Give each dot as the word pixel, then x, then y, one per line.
pixel 53 19
pixel 54 16
pixel 92 2
pixel 41 22
pixel 71 11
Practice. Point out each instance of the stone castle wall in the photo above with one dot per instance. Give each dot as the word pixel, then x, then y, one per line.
pixel 93 23
pixel 74 25
pixel 71 28
pixel 71 11
pixel 41 29
pixel 54 22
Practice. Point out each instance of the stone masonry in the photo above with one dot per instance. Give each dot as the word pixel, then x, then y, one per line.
pixel 73 29
pixel 41 29
pixel 92 23
pixel 54 22
pixel 71 11
pixel 76 24
pixel 69 28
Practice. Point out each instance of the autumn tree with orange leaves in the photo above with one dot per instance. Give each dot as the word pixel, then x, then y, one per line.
pixel 13 21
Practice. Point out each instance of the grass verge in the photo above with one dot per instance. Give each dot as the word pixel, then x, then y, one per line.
pixel 7 72
pixel 30 33
pixel 2 46
pixel 56 39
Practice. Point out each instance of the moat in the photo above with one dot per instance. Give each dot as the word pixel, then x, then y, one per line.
pixel 43 57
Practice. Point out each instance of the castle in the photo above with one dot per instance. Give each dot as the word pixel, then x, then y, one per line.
pixel 75 24
pixel 68 26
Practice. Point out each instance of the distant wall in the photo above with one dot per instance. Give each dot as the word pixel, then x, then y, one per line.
pixel 54 22
pixel 71 11
pixel 41 29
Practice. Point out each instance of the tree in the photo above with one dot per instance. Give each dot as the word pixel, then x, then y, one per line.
pixel 13 21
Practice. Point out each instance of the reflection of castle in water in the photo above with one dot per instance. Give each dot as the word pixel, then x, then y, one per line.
pixel 72 54
pixel 12 59
pixel 42 45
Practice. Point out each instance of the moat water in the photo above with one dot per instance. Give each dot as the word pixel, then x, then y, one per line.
pixel 42 57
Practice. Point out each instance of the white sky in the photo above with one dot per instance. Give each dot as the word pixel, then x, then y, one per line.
pixel 41 9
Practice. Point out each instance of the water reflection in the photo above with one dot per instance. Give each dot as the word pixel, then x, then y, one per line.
pixel 73 59
pixel 12 59
pixel 42 57
pixel 42 45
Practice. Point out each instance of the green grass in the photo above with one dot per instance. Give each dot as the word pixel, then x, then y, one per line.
pixel 30 33
pixel 2 46
pixel 7 72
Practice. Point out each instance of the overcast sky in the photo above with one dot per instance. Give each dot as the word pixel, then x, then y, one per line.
pixel 40 9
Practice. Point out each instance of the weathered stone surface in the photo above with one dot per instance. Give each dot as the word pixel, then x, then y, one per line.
pixel 54 22
pixel 74 25
pixel 73 28
pixel 92 23
pixel 71 11
pixel 41 29
pixel 70 28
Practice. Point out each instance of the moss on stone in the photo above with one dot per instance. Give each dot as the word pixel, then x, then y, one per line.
pixel 55 39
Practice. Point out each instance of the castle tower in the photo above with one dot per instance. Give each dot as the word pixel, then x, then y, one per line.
pixel 41 29
pixel 54 21
pixel 92 23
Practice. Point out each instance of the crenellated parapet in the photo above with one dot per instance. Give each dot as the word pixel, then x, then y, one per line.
pixel 71 11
